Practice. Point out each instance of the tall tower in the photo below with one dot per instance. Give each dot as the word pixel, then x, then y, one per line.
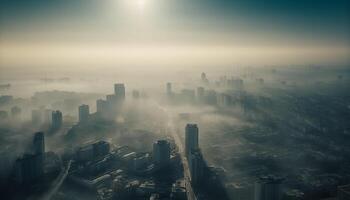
pixel 196 165
pixel 39 143
pixel 191 138
pixel 84 113
pixel 161 152
pixel 119 90
pixel 56 119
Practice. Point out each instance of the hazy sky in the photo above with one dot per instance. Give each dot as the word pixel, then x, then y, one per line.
pixel 167 33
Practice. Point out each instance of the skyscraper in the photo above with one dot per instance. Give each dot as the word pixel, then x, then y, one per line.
pixel 119 90
pixel 84 113
pixel 196 165
pixel 101 107
pixel 161 152
pixel 56 120
pixel 191 138
pixel 29 169
pixel 39 143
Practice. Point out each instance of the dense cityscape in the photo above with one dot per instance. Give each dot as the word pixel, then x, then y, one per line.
pixel 225 139
pixel 174 100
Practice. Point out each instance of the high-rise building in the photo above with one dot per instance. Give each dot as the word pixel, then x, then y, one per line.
pixel 268 188
pixel 39 143
pixel 169 89
pixel 56 120
pixel 119 90
pixel 29 168
pixel 191 138
pixel 196 166
pixel 161 152
pixel 84 113
pixel 101 107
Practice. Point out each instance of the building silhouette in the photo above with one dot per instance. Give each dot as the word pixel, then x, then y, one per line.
pixel 191 138
pixel 119 91
pixel 161 152
pixel 84 113
pixel 39 143
pixel 56 120
pixel 196 166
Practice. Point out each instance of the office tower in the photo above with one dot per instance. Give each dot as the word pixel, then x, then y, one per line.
pixel 39 143
pixel 56 120
pixel 119 90
pixel 84 113
pixel 196 165
pixel 210 97
pixel 200 94
pixel 268 188
pixel 169 89
pixel 36 117
pixel 16 112
pixel 204 78
pixel 101 106
pixel 191 138
pixel 161 152
pixel 29 168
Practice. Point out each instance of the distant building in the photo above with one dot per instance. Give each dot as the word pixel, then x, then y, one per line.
pixel 197 166
pixel 28 169
pixel 39 143
pixel 56 120
pixel 92 151
pixel 268 188
pixel 161 152
pixel 210 97
pixel 204 78
pixel 84 113
pixel 102 107
pixel 191 138
pixel 119 90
